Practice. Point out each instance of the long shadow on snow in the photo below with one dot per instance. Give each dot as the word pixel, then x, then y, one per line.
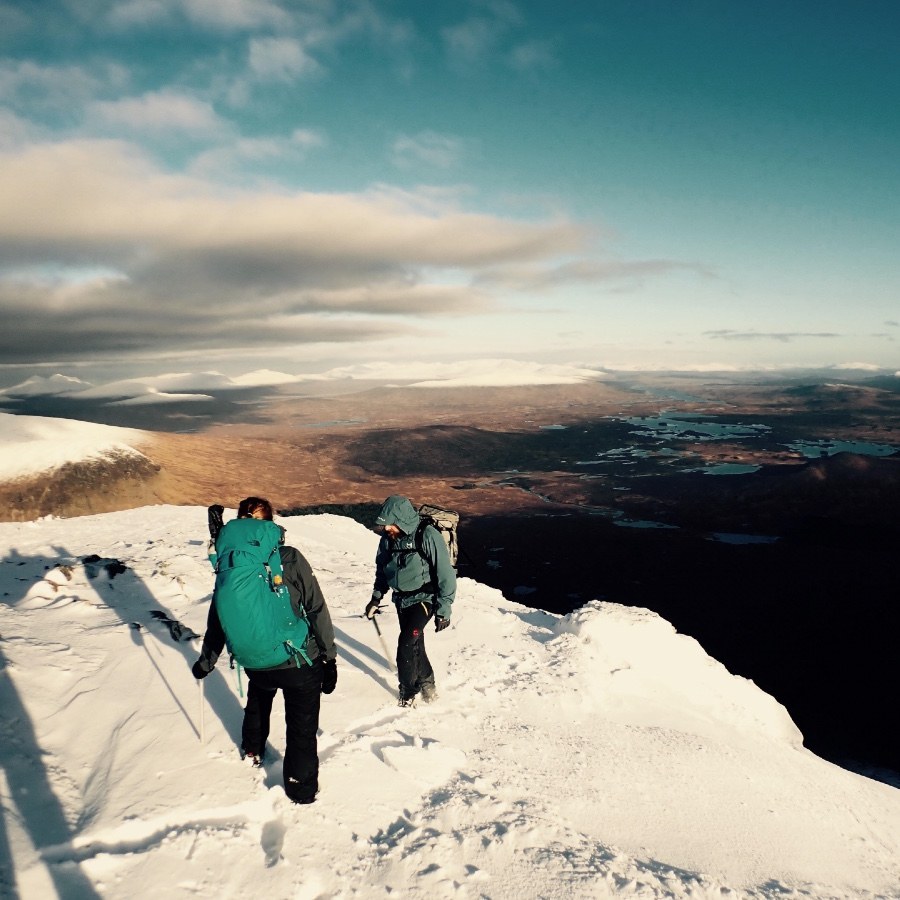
pixel 139 609
pixel 345 641
pixel 39 809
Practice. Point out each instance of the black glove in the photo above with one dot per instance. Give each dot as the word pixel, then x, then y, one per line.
pixel 214 518
pixel 329 676
pixel 372 608
pixel 440 623
pixel 201 668
pixel 205 663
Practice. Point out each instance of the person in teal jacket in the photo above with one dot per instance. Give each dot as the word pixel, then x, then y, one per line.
pixel 413 563
pixel 301 681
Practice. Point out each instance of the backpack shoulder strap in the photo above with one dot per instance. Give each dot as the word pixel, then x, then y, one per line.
pixel 420 548
pixel 420 537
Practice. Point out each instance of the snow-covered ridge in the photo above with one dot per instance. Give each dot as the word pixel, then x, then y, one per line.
pixel 596 755
pixel 469 373
pixel 30 445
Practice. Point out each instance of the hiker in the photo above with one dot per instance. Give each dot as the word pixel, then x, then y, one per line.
pixel 413 562
pixel 307 670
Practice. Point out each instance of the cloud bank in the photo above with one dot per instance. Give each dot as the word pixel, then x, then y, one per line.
pixel 115 256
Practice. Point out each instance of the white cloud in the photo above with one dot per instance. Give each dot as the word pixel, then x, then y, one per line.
pixel 308 138
pixel 216 15
pixel 533 56
pixel 238 159
pixel 783 337
pixel 471 39
pixel 529 277
pixel 108 195
pixel 442 151
pixel 33 88
pixel 475 38
pixel 139 12
pixel 60 277
pixel 13 19
pixel 281 59
pixel 15 131
pixel 236 13
pixel 159 112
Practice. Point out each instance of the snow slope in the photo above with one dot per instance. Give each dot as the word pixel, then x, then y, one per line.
pixel 33 444
pixel 596 755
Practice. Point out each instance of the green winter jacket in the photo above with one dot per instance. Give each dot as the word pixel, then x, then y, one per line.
pixel 426 577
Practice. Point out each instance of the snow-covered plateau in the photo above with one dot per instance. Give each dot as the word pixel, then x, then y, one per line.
pixel 599 754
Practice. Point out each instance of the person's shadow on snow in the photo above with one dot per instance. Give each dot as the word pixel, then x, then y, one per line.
pixel 153 629
pixel 31 796
pixel 156 631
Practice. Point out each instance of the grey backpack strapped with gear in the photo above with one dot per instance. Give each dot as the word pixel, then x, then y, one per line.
pixel 446 521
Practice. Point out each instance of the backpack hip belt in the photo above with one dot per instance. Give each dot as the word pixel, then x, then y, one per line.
pixel 427 588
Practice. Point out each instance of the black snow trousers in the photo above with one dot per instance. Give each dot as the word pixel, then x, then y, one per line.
pixel 302 689
pixel 413 668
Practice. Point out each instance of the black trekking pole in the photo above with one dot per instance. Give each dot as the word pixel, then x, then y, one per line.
pixel 215 522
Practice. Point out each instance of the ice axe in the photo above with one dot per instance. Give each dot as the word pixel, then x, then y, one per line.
pixel 384 648
pixel 202 713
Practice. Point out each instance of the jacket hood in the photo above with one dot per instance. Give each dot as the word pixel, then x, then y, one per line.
pixel 397 510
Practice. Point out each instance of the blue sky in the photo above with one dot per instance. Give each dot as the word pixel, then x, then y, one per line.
pixel 230 184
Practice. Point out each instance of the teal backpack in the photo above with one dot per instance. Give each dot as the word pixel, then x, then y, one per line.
pixel 261 628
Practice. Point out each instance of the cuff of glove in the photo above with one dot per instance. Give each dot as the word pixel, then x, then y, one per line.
pixel 201 668
pixel 329 676
pixel 205 664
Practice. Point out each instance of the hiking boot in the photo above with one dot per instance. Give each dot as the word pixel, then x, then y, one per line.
pixel 407 701
pixel 252 759
pixel 429 693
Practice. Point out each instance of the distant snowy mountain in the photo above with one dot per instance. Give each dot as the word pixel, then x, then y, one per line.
pixel 263 377
pixel 157 386
pixel 37 386
pixel 420 373
pixel 467 373
pixel 599 754
pixel 154 396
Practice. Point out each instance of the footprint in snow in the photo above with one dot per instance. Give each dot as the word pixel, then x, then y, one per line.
pixel 272 841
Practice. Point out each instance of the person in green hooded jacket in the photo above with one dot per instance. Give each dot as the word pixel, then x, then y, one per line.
pixel 412 562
